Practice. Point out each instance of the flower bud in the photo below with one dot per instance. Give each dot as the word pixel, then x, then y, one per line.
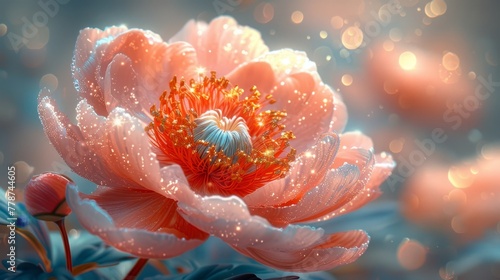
pixel 45 196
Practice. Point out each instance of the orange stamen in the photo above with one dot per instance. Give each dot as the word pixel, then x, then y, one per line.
pixel 209 167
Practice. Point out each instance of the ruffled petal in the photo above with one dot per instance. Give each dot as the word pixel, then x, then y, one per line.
pixel 143 209
pixel 382 168
pixel 154 63
pixel 234 224
pixel 338 187
pixel 121 146
pixel 107 218
pixel 290 248
pixel 306 172
pixel 349 176
pixel 229 218
pixel 69 141
pixel 222 45
pixel 108 151
pixel 356 140
pixel 337 249
pixel 86 59
pixel 313 107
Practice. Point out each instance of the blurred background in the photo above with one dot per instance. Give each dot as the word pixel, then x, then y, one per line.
pixel 420 77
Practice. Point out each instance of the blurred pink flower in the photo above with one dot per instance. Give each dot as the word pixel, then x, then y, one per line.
pixel 461 199
pixel 411 80
pixel 179 153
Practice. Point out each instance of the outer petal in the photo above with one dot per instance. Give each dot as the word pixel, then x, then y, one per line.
pixel 125 234
pixel 350 145
pixel 108 151
pixel 223 44
pixel 296 87
pixel 154 63
pixel 356 140
pixel 338 249
pixel 86 59
pixel 349 176
pixel 307 171
pixel 384 164
pixel 229 219
pixel 338 187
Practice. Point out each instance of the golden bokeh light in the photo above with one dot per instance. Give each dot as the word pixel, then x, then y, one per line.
pixel 435 8
pixel 3 29
pixel 264 12
pixel 388 45
pixel 347 80
pixel 297 17
pixel 451 61
pixel 337 22
pixel 411 254
pixel 438 7
pixel 407 61
pixel 397 145
pixel 395 34
pixel 49 81
pixel 460 176
pixel 352 37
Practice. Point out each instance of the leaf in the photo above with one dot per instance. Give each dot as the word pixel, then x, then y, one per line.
pixel 224 271
pixel 483 251
pixel 86 248
pixel 374 216
pixel 29 271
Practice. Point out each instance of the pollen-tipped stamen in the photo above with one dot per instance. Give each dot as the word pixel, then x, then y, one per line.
pixel 225 142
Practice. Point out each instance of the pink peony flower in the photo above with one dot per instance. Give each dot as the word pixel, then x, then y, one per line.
pixel 461 199
pixel 45 196
pixel 212 134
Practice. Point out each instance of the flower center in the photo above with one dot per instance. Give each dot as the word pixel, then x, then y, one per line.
pixel 225 143
pixel 226 135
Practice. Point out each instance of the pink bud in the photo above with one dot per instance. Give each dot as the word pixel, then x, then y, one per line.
pixel 45 196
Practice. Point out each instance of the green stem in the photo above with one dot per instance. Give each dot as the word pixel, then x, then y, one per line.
pixel 67 249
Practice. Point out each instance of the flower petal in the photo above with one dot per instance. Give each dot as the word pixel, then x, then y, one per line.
pixel 382 168
pixel 296 87
pixel 306 172
pixel 154 62
pixel 121 146
pixel 336 249
pixel 222 45
pixel 229 219
pixel 329 198
pixel 143 209
pixel 133 236
pixel 338 187
pixel 86 59
pixel 290 248
pixel 108 151
pixel 356 139
pixel 233 223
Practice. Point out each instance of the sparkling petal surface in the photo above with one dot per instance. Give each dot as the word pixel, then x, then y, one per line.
pixel 297 88
pixel 137 241
pixel 308 170
pixel 229 219
pixel 222 45
pixel 152 211
pixel 154 63
pixel 338 187
pixel 108 151
pixel 334 250
pixel 85 60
